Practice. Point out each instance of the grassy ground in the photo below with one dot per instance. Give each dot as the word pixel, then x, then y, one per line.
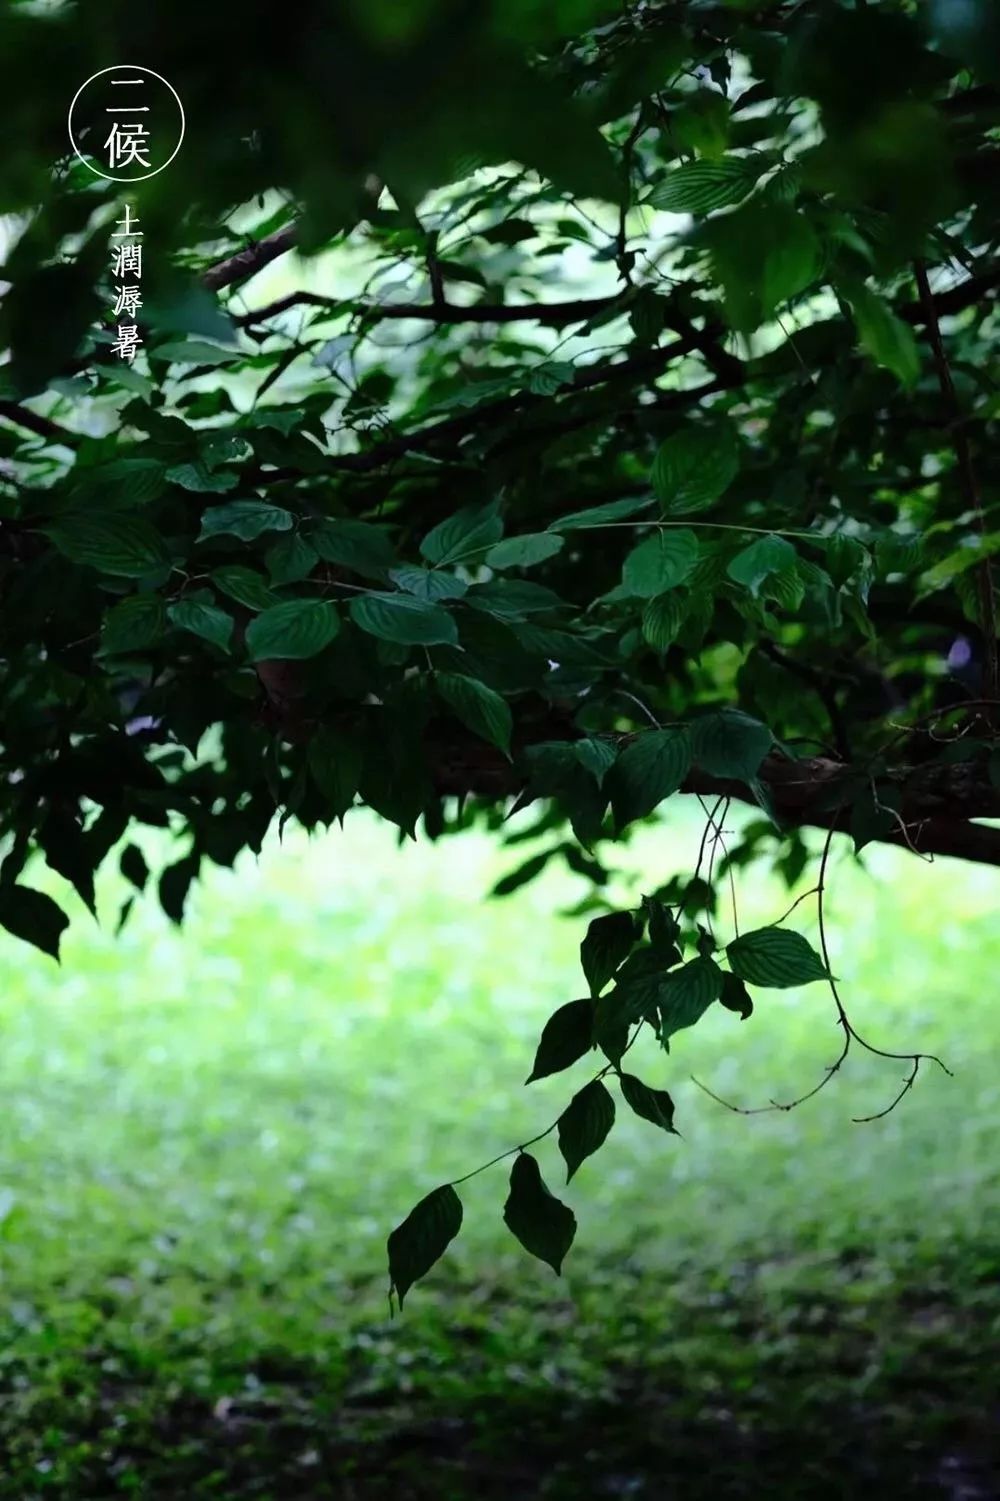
pixel 205 1138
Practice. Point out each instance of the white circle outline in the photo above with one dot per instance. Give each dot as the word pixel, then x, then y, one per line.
pixel 110 175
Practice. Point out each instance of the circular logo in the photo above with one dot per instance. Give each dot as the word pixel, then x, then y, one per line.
pixel 126 123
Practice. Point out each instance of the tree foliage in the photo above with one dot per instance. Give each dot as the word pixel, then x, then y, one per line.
pixel 637 445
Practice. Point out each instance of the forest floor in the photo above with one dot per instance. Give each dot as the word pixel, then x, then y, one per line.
pixel 205 1137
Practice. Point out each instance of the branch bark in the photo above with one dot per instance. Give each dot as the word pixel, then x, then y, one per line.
pixel 937 806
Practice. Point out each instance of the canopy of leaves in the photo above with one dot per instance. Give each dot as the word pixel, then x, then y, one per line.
pixel 642 444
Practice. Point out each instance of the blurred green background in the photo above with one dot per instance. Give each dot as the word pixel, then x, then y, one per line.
pixel 208 1134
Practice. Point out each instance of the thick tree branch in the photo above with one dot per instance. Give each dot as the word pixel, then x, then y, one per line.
pixel 551 314
pixel 937 803
pixel 245 262
pixel 33 422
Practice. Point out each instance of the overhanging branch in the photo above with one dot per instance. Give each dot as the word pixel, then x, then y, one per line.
pixel 938 802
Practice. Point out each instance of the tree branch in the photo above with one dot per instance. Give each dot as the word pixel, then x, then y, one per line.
pixel 551 314
pixel 938 801
pixel 245 262
pixel 33 422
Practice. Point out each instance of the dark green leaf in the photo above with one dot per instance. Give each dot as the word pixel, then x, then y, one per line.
pixel 335 762
pixel 290 560
pixel 477 706
pixel 123 545
pixel 584 1124
pixel 422 1238
pixel 648 770
pixel 597 516
pixel 766 556
pixel 524 551
pixel 608 942
pixel 661 562
pixel 653 1105
pixel 702 187
pixel 206 621
pixel 357 545
pixel 694 467
pixel 244 585
pixel 33 916
pixel 296 629
pixel 428 584
pixel 566 1036
pixel 133 866
pixel 469 532
pixel 687 993
pixel 735 996
pixel 776 957
pixel 729 743
pixel 246 519
pixel 544 1226
pixel 135 623
pixel 404 618
pixel 662 618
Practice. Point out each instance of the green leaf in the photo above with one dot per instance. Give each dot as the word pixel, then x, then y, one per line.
pixel 296 629
pixel 206 621
pixel 729 743
pixel 246 519
pixel 596 756
pixel 193 352
pixel 653 1105
pixel 469 531
pixel 524 551
pixel 549 377
pixel 694 467
pixel 735 996
pixel 761 254
pixel 135 623
pixel 335 762
pixel 701 187
pixel 202 480
pixel 662 618
pixel 776 957
pixel 405 619
pixel 584 1124
pixel 422 1238
pixel 133 866
pixel 608 942
pixel 290 560
pixel 661 562
pixel 123 545
pixel 596 516
pixel 888 340
pixel 648 770
pixel 544 1226
pixel 357 545
pixel 513 599
pixel 766 556
pixel 566 1037
pixel 33 916
pixel 174 885
pixel 244 585
pixel 481 709
pixel 687 993
pixel 428 584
